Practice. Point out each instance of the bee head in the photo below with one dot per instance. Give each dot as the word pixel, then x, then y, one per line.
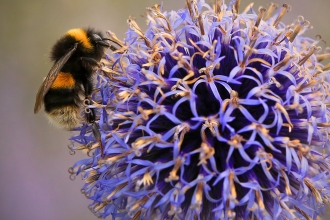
pixel 88 39
pixel 90 43
pixel 98 40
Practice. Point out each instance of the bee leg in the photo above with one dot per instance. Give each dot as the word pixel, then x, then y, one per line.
pixel 97 135
pixel 90 117
pixel 87 61
pixel 90 114
pixel 113 48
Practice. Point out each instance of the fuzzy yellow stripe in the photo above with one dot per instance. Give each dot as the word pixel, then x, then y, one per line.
pixel 81 36
pixel 63 81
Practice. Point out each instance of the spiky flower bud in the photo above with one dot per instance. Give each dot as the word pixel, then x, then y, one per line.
pixel 210 114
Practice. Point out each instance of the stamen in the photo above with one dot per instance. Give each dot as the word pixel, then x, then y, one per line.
pixel 135 27
pixel 142 142
pixel 230 213
pixel 199 193
pixel 276 38
pixel 287 183
pixel 92 176
pixel 260 15
pixel 270 10
pixel 211 53
pixel 321 57
pixel 221 28
pixel 236 141
pixel 156 79
pixel 296 106
pixel 234 97
pixel 248 8
pixel 182 62
pixel 266 157
pixel 297 28
pixel 303 213
pixel 206 152
pixel 141 202
pixel 175 208
pixel 310 53
pixel 180 132
pixel 198 196
pixel 307 85
pixel 196 46
pixel 283 63
pixel 325 55
pixel 184 93
pixel 113 38
pixel 201 26
pixel 277 195
pixel 211 124
pixel 117 189
pixel 234 12
pixel 314 191
pixel 248 52
pixel 147 179
pixel 156 13
pixel 206 71
pixel 326 200
pixel 232 187
pixel 284 112
pixel 284 10
pixel 327 125
pixel 173 174
pixel 193 12
pixel 326 67
pixel 99 206
pixel 259 200
pixel 217 6
pixel 237 4
pixel 234 100
pixel 137 215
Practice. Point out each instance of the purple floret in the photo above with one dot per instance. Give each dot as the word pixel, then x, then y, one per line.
pixel 210 114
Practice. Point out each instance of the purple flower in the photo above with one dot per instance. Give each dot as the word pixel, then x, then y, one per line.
pixel 210 114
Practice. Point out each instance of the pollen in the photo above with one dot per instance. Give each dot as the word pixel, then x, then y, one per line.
pixel 63 81
pixel 81 36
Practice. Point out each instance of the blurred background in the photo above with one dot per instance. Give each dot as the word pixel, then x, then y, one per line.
pixel 34 158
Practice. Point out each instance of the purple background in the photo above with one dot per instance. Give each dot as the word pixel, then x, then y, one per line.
pixel 34 157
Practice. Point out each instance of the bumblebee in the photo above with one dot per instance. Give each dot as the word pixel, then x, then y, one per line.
pixel 70 80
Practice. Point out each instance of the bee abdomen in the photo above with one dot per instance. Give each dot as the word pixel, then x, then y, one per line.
pixel 64 80
pixel 56 98
pixel 62 107
pixel 66 117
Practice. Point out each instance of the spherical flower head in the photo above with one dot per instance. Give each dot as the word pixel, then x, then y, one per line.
pixel 211 113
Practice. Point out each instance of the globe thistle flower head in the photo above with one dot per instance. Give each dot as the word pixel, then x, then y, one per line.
pixel 211 113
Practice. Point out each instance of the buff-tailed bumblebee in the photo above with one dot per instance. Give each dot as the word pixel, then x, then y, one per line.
pixel 70 80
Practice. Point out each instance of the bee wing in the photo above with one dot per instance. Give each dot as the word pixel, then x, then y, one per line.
pixel 50 78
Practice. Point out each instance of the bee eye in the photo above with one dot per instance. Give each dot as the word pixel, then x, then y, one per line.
pixel 96 37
